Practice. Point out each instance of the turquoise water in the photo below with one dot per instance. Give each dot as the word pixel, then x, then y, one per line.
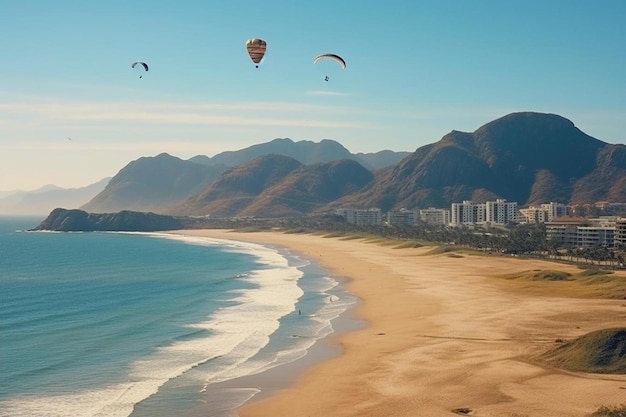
pixel 119 324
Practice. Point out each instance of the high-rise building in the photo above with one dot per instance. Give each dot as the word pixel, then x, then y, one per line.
pixel 467 212
pixel 500 212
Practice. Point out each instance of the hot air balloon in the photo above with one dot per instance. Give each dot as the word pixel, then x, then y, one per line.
pixel 333 57
pixel 256 49
pixel 143 64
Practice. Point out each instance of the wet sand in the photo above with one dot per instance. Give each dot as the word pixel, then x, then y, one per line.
pixel 444 336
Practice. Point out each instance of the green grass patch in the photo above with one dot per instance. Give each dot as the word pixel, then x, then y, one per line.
pixel 595 271
pixel 540 275
pixel 296 231
pixel 250 229
pixel 605 283
pixel 409 244
pixel 600 279
pixel 602 351
pixel 384 241
pixel 352 237
pixel 610 411
pixel 443 249
pixel 318 233
pixel 550 275
pixel 582 284
pixel 333 234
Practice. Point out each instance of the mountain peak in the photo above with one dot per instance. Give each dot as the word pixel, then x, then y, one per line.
pixel 532 126
pixel 164 155
pixel 527 157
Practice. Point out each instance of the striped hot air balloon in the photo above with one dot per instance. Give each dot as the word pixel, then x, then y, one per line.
pixel 256 49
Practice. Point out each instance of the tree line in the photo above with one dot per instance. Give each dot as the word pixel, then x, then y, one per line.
pixel 514 240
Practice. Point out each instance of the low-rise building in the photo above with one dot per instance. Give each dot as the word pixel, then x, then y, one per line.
pixel 586 233
pixel 361 217
pixel 542 213
pixel 533 215
pixel 591 236
pixel 435 216
pixel 402 217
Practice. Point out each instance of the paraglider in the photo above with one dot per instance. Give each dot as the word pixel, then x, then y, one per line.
pixel 256 49
pixel 143 64
pixel 333 57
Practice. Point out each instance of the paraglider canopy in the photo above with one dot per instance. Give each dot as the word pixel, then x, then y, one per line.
pixel 140 63
pixel 143 64
pixel 334 57
pixel 256 49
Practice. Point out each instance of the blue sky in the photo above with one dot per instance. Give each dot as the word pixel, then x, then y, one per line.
pixel 72 111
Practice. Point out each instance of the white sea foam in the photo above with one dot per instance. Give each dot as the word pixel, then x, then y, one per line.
pixel 236 334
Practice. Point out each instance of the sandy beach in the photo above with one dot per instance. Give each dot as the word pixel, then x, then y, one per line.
pixel 444 336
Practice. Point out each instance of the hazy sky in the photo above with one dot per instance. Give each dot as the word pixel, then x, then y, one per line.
pixel 72 111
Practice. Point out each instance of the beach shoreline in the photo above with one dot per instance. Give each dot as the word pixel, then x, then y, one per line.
pixel 443 337
pixel 264 384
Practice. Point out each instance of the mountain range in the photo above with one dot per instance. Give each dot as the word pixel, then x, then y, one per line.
pixel 45 199
pixel 169 185
pixel 526 157
pixel 276 186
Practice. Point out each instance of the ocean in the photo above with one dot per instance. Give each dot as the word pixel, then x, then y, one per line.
pixel 146 324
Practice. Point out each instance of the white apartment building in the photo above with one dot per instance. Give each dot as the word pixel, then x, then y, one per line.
pixel 543 213
pixel 533 215
pixel 554 210
pixel 435 216
pixel 500 212
pixel 361 217
pixel 402 217
pixel 467 212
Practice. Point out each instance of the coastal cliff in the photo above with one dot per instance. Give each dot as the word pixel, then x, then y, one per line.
pixel 64 220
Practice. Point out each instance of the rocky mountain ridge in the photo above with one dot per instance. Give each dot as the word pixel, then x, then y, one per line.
pixel 526 157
